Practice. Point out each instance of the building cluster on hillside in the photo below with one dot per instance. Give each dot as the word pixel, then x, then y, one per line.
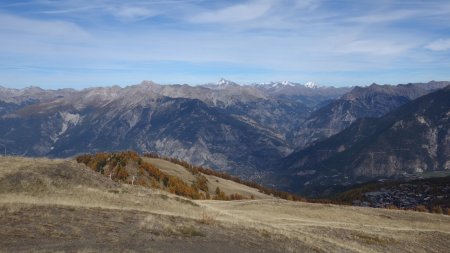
pixel 407 196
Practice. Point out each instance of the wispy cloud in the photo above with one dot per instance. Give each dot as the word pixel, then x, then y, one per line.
pixel 385 16
pixel 126 11
pixel 18 26
pixel 234 13
pixel 439 45
pixel 306 4
pixel 132 13
pixel 375 47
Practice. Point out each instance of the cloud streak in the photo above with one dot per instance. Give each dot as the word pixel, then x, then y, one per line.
pixel 235 13
pixel 132 13
pixel 16 26
pixel 439 45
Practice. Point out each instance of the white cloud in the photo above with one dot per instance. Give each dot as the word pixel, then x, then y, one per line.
pixel 374 47
pixel 235 13
pixel 122 10
pixel 306 4
pixel 55 29
pixel 386 16
pixel 132 13
pixel 67 10
pixel 439 45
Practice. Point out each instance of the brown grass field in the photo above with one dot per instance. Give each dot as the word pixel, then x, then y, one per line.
pixel 61 206
pixel 227 186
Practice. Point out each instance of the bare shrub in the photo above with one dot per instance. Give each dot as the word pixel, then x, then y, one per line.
pixel 207 218
pixel 421 208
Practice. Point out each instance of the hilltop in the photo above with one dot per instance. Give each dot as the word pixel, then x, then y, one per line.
pixel 65 206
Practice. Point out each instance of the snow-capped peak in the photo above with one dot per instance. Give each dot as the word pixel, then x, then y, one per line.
pixel 275 85
pixel 287 83
pixel 312 85
pixel 224 82
pixel 281 84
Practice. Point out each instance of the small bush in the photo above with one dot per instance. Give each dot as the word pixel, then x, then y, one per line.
pixel 391 206
pixel 437 209
pixel 421 208
pixel 207 218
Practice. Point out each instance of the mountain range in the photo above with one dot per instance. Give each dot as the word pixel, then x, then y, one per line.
pixel 361 102
pixel 225 126
pixel 254 131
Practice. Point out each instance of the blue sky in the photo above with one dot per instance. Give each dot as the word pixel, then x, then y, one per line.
pixel 82 43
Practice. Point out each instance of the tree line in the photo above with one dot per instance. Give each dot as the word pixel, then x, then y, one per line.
pixel 129 167
pixel 207 171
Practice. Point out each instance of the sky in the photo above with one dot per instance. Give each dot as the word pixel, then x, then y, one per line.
pixel 83 43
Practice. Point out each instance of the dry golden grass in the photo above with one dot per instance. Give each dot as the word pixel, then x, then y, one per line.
pixel 227 186
pixel 171 169
pixel 331 227
pixel 36 190
pixel 65 182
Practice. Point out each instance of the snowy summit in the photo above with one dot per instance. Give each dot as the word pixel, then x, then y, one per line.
pixel 312 85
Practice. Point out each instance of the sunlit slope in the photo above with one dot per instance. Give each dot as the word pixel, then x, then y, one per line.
pixel 227 186
pixel 61 205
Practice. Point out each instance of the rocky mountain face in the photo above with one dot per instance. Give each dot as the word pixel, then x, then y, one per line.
pixel 244 129
pixel 311 94
pixel 361 102
pixel 413 139
pixel 225 125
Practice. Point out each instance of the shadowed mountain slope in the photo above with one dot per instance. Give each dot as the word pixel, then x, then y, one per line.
pixel 414 138
pixel 362 102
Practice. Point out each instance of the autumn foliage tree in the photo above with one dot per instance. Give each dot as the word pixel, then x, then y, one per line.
pixel 148 175
pixel 195 170
pixel 116 165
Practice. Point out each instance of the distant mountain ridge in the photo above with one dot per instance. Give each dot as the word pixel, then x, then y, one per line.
pixel 412 139
pixel 243 129
pixel 229 129
pixel 361 102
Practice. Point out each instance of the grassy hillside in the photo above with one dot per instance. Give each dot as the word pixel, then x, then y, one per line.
pixel 229 187
pixel 176 176
pixel 61 205
pixel 128 167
